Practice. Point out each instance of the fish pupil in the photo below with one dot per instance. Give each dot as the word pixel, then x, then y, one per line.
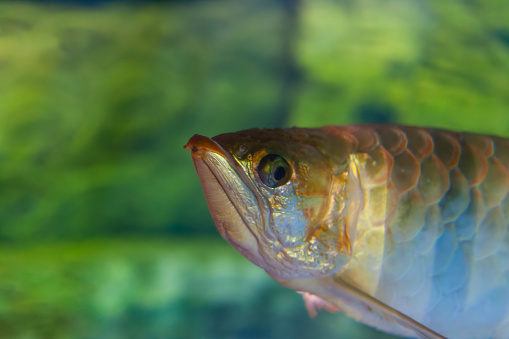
pixel 279 173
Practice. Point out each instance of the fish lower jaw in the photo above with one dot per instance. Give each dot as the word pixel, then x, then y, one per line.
pixel 229 217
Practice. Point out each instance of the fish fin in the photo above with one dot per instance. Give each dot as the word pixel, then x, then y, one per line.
pixel 313 302
pixel 389 313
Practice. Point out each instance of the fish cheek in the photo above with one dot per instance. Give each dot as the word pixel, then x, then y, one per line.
pixel 313 190
pixel 286 221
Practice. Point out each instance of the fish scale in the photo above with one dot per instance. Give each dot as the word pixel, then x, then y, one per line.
pixel 471 193
pixel 403 228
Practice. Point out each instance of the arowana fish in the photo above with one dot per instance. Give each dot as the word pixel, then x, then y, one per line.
pixel 402 228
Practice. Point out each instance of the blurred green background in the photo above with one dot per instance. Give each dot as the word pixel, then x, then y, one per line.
pixel 104 230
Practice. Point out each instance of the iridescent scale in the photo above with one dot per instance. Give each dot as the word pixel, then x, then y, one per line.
pixel 445 209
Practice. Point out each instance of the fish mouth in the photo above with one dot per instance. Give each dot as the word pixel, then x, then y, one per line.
pixel 232 203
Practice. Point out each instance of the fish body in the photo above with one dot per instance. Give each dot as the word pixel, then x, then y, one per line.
pixel 402 228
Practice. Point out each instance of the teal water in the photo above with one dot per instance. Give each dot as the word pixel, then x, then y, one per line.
pixel 139 288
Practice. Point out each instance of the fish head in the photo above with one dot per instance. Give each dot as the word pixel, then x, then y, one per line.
pixel 278 198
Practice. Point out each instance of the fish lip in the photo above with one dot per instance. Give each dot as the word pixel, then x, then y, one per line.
pixel 199 143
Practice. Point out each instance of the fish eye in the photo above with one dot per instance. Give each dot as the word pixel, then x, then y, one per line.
pixel 274 171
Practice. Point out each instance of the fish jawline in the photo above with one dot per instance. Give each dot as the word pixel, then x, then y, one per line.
pixel 219 180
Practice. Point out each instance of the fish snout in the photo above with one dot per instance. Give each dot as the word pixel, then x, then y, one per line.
pixel 199 143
